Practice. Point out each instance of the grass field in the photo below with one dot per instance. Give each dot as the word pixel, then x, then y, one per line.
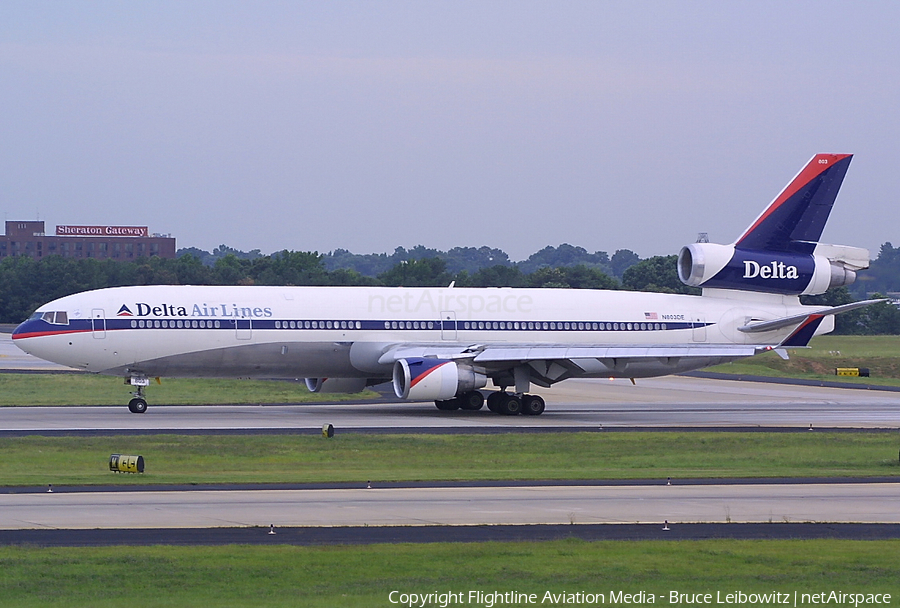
pixel 179 459
pixel 881 354
pixel 90 389
pixel 365 576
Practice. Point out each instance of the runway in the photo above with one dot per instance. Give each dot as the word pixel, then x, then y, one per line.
pixel 671 401
pixel 656 403
pixel 456 506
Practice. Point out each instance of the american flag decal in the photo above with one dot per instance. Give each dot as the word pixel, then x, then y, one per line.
pixel 650 316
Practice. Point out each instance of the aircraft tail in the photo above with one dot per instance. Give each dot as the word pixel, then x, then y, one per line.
pixel 780 252
pixel 794 221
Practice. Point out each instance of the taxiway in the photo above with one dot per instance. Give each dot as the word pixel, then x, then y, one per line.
pixel 435 506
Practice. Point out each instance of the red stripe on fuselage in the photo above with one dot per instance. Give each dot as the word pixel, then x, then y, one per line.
pixel 38 334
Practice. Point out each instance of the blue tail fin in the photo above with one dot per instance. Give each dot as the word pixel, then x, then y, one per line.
pixel 794 221
pixel 780 252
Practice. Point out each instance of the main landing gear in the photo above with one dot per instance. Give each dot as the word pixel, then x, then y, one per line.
pixel 138 405
pixel 499 402
pixel 471 401
pixel 506 403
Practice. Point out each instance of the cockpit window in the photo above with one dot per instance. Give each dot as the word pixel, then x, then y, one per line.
pixel 57 317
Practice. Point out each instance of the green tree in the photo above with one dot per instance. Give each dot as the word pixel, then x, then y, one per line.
pixel 344 276
pixel 883 274
pixel 583 277
pixel 495 276
pixel 658 273
pixel 565 255
pixel 548 278
pixel 622 260
pixel 289 268
pixel 230 270
pixel 876 319
pixel 574 277
pixel 427 272
pixel 189 270
pixel 473 259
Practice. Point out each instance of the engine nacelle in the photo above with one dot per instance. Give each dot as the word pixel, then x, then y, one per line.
pixel 335 385
pixel 434 379
pixel 728 267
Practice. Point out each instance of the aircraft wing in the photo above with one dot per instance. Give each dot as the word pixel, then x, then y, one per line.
pixel 528 352
pixel 551 363
pixel 543 352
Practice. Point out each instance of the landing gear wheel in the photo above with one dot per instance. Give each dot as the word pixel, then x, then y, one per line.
pixel 447 406
pixel 510 405
pixel 532 405
pixel 493 402
pixel 471 401
pixel 137 406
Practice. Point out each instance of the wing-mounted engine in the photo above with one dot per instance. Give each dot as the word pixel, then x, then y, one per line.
pixel 336 385
pixel 787 273
pixel 425 379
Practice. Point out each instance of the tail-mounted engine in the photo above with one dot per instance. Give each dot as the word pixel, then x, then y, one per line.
pixel 434 379
pixel 787 273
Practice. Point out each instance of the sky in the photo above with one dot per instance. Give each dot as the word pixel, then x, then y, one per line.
pixel 366 126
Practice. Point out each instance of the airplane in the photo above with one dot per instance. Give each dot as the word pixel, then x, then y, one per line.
pixel 444 344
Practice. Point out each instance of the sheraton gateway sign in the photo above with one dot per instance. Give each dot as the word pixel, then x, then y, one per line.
pixel 102 231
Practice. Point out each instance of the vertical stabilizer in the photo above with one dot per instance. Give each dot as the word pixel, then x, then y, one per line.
pixel 780 252
pixel 794 221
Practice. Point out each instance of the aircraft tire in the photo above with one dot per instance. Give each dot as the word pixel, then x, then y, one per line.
pixel 448 405
pixel 137 406
pixel 532 405
pixel 493 402
pixel 510 405
pixel 471 401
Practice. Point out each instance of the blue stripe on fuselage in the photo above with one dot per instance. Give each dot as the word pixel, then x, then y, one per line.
pixel 34 328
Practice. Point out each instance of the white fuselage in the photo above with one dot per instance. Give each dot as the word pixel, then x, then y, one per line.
pixel 294 332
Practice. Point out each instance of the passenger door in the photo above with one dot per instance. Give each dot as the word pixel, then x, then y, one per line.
pixel 98 323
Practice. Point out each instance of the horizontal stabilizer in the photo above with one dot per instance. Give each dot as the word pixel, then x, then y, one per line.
pixel 796 319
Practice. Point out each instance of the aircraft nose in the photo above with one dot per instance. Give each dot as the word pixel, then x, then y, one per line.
pixel 19 330
pixel 23 330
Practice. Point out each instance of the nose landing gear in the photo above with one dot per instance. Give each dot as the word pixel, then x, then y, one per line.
pixel 138 405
